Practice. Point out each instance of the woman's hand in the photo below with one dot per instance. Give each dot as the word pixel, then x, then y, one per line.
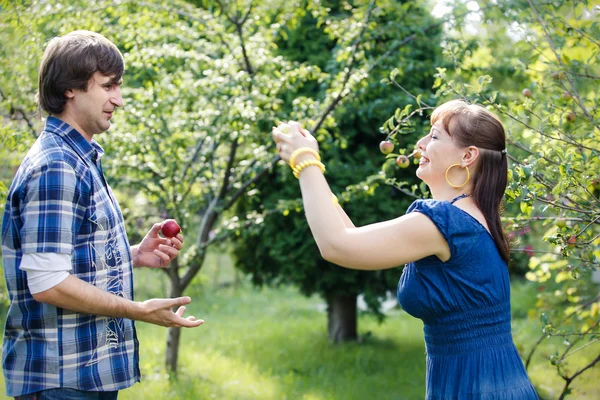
pixel 291 137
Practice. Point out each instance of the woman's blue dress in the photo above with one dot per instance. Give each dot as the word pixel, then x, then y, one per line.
pixel 465 307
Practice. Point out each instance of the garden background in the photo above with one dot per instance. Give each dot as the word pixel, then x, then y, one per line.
pixel 206 80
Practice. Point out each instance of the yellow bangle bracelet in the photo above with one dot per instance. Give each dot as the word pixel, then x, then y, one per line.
pixel 308 163
pixel 301 150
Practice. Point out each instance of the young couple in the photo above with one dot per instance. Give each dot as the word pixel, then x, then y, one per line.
pixel 69 331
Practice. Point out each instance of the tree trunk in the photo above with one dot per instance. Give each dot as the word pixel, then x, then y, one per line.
pixel 172 352
pixel 341 317
pixel 173 334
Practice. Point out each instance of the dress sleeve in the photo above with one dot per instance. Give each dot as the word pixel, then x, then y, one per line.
pixel 439 213
pixel 52 209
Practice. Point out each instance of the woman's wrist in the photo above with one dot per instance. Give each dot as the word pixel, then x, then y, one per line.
pixel 302 152
pixel 305 157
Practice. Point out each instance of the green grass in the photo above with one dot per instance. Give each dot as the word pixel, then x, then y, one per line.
pixel 272 344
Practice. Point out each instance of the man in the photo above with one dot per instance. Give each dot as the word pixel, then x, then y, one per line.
pixel 68 264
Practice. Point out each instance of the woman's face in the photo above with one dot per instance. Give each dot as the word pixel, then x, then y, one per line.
pixel 438 152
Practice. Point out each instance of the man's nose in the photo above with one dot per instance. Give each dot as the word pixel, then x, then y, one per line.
pixel 117 99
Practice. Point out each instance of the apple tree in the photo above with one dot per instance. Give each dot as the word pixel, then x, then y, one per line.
pixel 204 84
pixel 401 34
pixel 536 66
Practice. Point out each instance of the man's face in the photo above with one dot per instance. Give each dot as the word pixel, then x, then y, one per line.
pixel 93 109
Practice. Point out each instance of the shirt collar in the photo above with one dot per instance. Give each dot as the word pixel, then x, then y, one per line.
pixel 90 151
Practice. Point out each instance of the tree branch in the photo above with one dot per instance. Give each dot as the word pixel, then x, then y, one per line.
pixel 558 58
pixel 249 182
pixel 228 168
pixel 16 110
pixel 349 66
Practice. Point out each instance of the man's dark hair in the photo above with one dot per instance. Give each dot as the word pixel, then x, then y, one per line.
pixel 70 61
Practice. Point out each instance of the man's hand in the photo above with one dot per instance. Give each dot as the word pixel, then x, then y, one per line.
pixel 159 312
pixel 76 295
pixel 155 251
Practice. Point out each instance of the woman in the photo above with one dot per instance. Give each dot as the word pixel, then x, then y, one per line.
pixel 456 277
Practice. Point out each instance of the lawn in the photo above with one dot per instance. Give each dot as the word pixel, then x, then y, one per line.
pixel 272 344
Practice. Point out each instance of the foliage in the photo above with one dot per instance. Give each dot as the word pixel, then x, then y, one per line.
pixel 349 149
pixel 203 86
pixel 537 67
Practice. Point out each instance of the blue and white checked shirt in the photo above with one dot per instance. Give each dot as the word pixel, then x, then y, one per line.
pixel 59 202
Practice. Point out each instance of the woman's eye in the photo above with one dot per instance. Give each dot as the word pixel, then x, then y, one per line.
pixel 433 136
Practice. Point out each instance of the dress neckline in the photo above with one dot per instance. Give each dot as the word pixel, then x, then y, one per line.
pixel 462 196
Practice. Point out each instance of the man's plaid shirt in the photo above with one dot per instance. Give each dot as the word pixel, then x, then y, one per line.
pixel 59 202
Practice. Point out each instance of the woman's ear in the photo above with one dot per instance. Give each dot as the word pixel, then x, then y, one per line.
pixel 69 93
pixel 470 157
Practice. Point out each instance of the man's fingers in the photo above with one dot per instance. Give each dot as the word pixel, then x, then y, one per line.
pixel 182 301
pixel 154 230
pixel 163 256
pixel 180 311
pixel 178 243
pixel 191 324
pixel 170 251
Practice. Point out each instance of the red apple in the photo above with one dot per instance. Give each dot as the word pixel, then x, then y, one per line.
pixel 526 92
pixel 169 228
pixel 571 241
pixel 386 147
pixel 402 161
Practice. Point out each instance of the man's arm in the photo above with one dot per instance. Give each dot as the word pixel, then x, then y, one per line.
pixel 79 296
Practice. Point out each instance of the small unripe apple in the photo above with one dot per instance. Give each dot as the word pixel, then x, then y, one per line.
pixel 526 92
pixel 386 147
pixel 561 223
pixel 558 75
pixel 284 128
pixel 566 96
pixel 402 161
pixel 417 155
pixel 571 117
pixel 571 241
pixel 170 228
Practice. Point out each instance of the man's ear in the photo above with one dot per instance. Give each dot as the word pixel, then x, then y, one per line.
pixel 470 156
pixel 69 93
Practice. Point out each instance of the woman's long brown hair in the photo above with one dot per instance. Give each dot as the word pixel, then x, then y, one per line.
pixel 473 125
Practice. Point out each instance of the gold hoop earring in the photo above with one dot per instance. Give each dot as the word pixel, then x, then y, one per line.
pixel 450 183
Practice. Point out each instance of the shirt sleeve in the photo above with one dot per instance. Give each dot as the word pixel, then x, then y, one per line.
pixel 45 270
pixel 51 209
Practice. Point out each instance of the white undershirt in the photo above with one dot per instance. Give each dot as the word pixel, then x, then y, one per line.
pixel 45 270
